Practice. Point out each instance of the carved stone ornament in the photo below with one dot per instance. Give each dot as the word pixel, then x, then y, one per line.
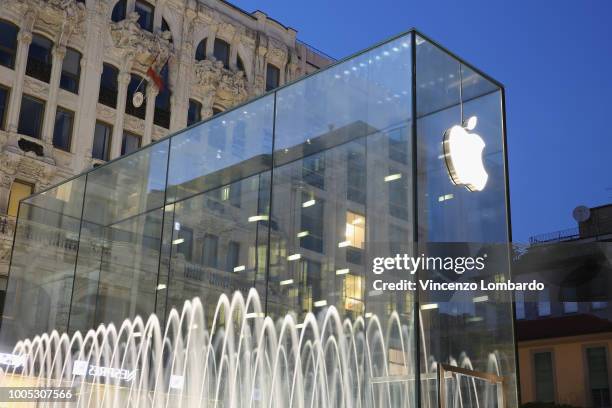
pixel 145 46
pixel 65 17
pixel 230 87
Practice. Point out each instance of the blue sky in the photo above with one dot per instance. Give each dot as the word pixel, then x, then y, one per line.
pixel 554 57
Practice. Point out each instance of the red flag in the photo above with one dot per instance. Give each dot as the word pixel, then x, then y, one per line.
pixel 157 79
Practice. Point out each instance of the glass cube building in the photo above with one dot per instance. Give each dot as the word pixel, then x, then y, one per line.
pixel 293 193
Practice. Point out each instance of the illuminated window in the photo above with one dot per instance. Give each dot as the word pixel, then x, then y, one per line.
pixel 19 191
pixel 355 229
pixel 353 293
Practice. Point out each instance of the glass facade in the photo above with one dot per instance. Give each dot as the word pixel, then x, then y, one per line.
pixel 294 193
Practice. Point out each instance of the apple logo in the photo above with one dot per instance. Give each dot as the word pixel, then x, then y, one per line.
pixel 463 155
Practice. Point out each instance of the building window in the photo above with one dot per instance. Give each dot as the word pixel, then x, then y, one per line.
pixel 398 195
pixel 233 256
pixel 599 305
pixel 310 284
pixel 313 170
pixel 8 44
pixel 200 54
pixel 570 305
pixel 39 58
pixel 130 143
pixel 62 132
pixel 108 86
pixel 194 114
pixel 162 102
pixel 544 302
pixel 398 145
pixel 137 84
pixel 119 11
pixel 312 223
pixel 240 64
pixel 19 191
pixel 519 299
pixel 101 143
pixel 145 12
pixel 353 293
pixel 221 52
pixel 209 250
pixel 355 230
pixel 185 243
pixel 4 94
pixel 544 377
pixel 31 116
pixel 272 77
pixel 355 177
pixel 71 71
pixel 599 386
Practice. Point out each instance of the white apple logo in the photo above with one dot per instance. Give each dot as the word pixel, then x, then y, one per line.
pixel 463 154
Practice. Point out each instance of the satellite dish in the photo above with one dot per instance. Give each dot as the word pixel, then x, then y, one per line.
pixel 137 99
pixel 581 213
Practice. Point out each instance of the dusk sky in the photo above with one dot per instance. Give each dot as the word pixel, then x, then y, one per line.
pixel 554 58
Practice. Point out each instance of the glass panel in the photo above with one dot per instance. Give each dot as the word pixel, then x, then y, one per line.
pixel 62 131
pixel 331 209
pixel 120 232
pixel 108 86
pixel 8 44
pixel 101 142
pixel 218 247
pixel 130 143
pixel 42 266
pixel 217 152
pixel 39 58
pixel 462 213
pixel 31 116
pixel 71 71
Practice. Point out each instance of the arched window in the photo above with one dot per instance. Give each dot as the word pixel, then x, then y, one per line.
pixel 39 58
pixel 240 64
pixel 8 43
pixel 108 86
pixel 136 84
pixel 272 77
pixel 194 114
pixel 119 11
pixel 71 71
pixel 162 101
pixel 200 54
pixel 145 12
pixel 222 52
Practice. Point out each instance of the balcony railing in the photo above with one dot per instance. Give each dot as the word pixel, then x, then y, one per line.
pixel 39 70
pixel 556 236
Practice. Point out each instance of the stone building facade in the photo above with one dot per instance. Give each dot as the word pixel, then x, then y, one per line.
pixel 69 71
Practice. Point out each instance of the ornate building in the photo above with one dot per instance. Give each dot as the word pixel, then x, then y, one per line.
pixel 69 72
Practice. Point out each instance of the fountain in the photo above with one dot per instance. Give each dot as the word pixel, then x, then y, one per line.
pixel 245 360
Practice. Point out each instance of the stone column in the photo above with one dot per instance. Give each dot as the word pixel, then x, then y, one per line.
pixel 24 39
pixel 59 51
pixel 91 70
pixel 210 41
pixel 124 80
pixel 152 92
